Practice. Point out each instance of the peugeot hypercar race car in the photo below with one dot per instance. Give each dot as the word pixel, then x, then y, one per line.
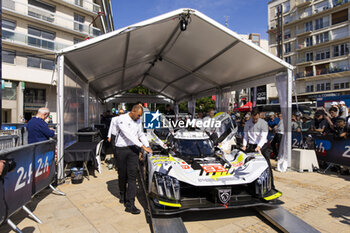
pixel 199 169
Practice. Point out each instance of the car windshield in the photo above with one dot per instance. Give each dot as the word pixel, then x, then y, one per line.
pixel 194 148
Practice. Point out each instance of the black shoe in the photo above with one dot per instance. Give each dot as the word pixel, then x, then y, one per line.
pixel 131 208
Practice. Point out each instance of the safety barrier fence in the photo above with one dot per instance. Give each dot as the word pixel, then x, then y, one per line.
pixel 327 147
pixel 34 171
pixel 17 135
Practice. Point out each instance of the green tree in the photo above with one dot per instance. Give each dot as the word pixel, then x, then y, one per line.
pixel 138 90
pixel 204 104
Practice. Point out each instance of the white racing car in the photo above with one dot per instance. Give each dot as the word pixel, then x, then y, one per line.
pixel 198 169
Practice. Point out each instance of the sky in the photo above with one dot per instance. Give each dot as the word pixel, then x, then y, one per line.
pixel 244 16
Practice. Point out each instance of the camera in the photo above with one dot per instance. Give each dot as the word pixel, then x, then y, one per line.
pixel 9 166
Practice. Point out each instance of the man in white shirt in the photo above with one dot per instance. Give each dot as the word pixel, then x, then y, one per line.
pixel 255 133
pixel 128 142
pixel 255 137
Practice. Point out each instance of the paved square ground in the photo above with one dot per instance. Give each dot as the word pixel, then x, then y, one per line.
pixel 321 200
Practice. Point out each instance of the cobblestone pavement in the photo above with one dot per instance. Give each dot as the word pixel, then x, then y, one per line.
pixel 322 200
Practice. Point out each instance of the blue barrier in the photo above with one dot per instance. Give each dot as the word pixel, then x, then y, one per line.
pixel 327 148
pixel 35 170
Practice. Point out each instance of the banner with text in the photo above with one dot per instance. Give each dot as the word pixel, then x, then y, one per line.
pixel 35 170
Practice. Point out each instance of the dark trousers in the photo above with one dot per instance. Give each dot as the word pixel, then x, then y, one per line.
pixel 114 151
pixel 264 151
pixel 128 158
pixel 275 143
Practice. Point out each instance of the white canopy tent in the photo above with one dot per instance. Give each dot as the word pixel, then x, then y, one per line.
pixel 182 55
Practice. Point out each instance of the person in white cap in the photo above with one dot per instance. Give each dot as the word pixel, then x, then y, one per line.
pixel 343 110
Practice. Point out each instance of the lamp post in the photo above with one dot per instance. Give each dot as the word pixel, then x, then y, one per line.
pixel 99 14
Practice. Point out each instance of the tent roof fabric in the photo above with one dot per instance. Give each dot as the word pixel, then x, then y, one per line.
pixel 181 65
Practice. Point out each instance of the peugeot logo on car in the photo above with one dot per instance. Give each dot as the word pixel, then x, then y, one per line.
pixel 224 195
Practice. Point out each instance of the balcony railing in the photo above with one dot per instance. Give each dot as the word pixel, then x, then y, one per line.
pixel 339 2
pixel 303 30
pixel 30 40
pixel 302 60
pixel 320 9
pixel 304 74
pixel 332 70
pixel 301 3
pixel 90 6
pixel 50 17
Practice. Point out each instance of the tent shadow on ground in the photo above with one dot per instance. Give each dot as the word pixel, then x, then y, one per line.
pixel 18 217
pixel 113 188
pixel 342 212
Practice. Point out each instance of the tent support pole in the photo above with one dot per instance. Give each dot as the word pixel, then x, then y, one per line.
pixel 60 119
pixel 289 115
pixel 86 105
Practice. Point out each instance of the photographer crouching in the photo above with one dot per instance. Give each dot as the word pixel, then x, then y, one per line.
pixel 6 166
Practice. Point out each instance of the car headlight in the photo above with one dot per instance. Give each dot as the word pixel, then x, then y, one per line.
pixel 167 186
pixel 263 183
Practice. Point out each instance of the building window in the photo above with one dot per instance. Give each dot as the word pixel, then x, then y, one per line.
pixel 41 38
pixel 341 83
pixel 320 55
pixel 8 56
pixel 322 38
pixel 323 86
pixel 79 22
pixel 340 50
pixel 287 34
pixel 308 41
pixel 42 63
pixel 76 40
pixel 34 96
pixel 42 5
pixel 286 7
pixel 310 88
pixel 9 24
pixel 50 17
pixel 340 16
pixel 338 86
pixel 78 2
pixel 8 28
pixel 318 23
pixel 308 26
pixel 321 23
pixel 287 48
pixel 309 56
pixel 288 59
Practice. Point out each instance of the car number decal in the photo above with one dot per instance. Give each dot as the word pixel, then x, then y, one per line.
pixel 209 168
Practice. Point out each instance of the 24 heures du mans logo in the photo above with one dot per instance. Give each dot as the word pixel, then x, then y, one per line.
pixel 153 120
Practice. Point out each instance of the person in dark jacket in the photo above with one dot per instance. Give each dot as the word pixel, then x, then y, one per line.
pixel 38 130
